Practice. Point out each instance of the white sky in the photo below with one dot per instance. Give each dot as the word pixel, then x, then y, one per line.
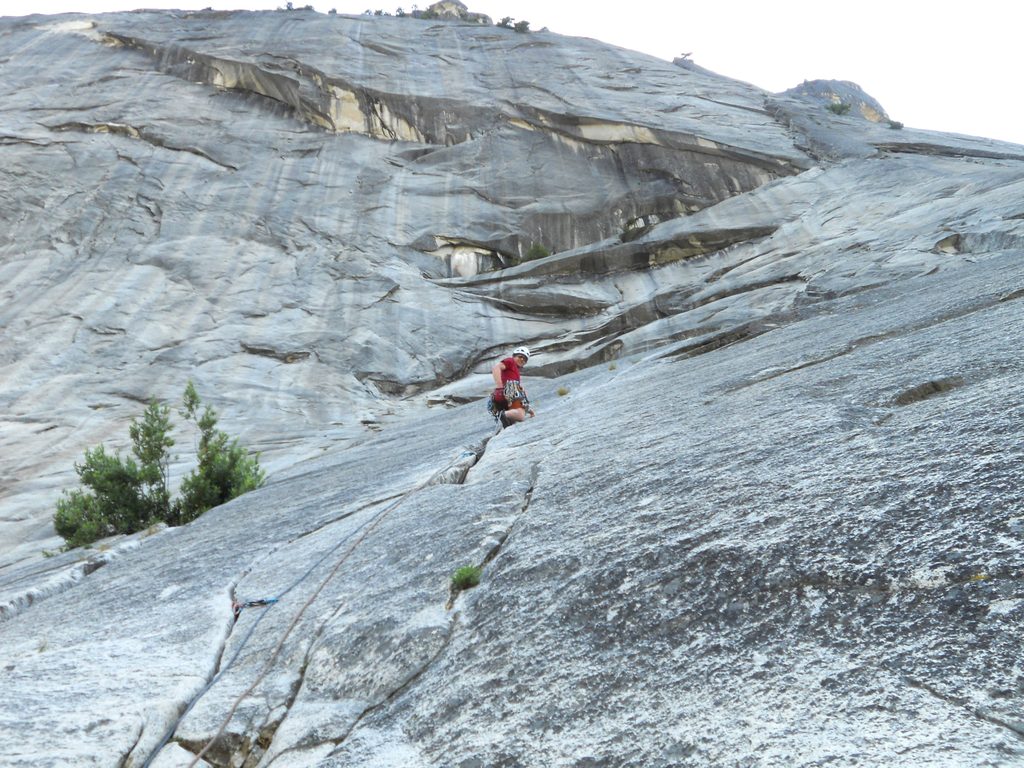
pixel 934 64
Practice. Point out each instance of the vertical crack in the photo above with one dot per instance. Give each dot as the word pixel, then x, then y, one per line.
pixel 523 509
pixel 399 689
pixel 217 671
pixel 126 761
pixel 501 537
pixel 454 472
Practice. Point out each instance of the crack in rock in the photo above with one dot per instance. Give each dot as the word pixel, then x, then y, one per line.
pixel 63 580
pixel 126 761
pixel 873 339
pixel 501 538
pixel 717 341
pixel 227 748
pixel 168 736
pixel 404 686
pixel 941 150
pixel 285 357
pixel 1014 727
pixel 928 389
pixel 141 134
pixel 454 474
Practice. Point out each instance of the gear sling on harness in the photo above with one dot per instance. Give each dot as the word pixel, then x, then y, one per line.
pixel 511 396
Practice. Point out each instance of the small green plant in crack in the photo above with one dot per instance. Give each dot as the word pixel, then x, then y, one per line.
pixel 466 577
pixel 839 107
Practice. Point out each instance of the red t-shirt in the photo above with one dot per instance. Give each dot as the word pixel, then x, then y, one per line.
pixel 511 371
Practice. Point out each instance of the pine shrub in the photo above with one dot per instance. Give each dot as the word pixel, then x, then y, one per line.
pixel 128 494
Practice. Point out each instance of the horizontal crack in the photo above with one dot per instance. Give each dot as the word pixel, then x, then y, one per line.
pixel 928 389
pixel 63 580
pixel 284 357
pixel 6 141
pixel 873 339
pixel 743 288
pixel 922 148
pixel 718 341
pixel 141 134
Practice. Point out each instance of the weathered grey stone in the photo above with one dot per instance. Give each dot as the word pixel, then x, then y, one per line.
pixel 768 513
pixel 212 195
pixel 831 93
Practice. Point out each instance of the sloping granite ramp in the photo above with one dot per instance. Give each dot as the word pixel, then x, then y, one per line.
pixel 455 473
pixel 156 621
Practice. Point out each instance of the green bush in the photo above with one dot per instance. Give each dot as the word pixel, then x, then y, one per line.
pixel 536 251
pixel 225 468
pixel 839 107
pixel 895 125
pixel 126 494
pixel 522 26
pixel 467 576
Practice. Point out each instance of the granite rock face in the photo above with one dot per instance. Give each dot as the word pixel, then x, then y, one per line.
pixel 264 202
pixel 838 95
pixel 769 511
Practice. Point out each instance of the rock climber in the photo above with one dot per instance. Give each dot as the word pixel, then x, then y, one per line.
pixel 509 403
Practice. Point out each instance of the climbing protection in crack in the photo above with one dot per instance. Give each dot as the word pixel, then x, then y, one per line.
pixel 454 473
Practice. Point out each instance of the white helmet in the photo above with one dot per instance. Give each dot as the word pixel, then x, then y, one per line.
pixel 524 351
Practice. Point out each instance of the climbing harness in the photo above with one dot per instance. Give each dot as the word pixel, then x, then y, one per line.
pixel 511 396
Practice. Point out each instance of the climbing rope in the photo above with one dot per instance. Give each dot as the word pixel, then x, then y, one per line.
pixel 372 524
pixel 241 645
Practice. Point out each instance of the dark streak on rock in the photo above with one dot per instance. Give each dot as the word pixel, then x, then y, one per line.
pixel 941 150
pixel 928 389
pixel 717 341
pixel 1016 728
pixel 285 357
